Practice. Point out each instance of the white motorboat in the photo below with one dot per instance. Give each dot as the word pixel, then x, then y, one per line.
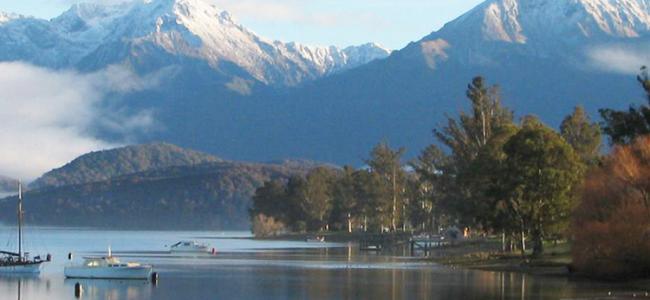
pixel 190 247
pixel 108 267
pixel 20 262
pixel 318 239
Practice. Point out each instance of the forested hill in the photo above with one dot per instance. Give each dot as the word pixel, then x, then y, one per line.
pixel 103 165
pixel 204 196
pixel 153 186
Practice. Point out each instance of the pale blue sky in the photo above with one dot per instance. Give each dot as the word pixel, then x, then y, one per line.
pixel 392 23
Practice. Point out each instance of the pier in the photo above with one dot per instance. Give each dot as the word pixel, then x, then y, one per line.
pixel 426 243
pixel 380 242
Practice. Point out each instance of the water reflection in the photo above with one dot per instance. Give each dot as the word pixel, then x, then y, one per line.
pixel 246 269
pixel 22 286
pixel 112 289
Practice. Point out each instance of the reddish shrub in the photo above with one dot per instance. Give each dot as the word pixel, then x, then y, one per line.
pixel 611 225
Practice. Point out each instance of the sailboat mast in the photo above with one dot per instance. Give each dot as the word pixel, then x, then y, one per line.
pixel 20 221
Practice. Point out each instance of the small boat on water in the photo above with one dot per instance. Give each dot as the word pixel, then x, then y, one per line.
pixel 20 262
pixel 318 239
pixel 108 267
pixel 190 247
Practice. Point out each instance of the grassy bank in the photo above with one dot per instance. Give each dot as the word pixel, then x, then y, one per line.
pixel 486 255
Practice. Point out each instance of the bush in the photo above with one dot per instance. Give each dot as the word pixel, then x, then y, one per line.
pixel 264 226
pixel 611 225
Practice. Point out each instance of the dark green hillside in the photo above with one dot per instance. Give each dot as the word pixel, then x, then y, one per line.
pixel 103 165
pixel 206 196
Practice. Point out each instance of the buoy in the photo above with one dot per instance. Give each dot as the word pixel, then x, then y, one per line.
pixel 154 278
pixel 69 255
pixel 48 257
pixel 214 251
pixel 78 290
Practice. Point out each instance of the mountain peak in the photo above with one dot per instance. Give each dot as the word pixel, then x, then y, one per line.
pixel 90 36
pixel 519 21
pixel 6 17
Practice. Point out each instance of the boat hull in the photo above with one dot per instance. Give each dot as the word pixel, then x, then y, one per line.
pixel 140 272
pixel 186 251
pixel 30 268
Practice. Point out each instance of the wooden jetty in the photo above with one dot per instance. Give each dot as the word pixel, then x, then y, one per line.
pixel 379 242
pixel 426 243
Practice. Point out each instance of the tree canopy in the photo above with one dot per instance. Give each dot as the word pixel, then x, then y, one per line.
pixel 623 127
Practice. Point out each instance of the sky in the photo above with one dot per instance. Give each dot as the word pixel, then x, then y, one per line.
pixel 390 23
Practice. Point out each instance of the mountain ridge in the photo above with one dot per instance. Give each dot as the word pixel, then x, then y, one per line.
pixel 542 60
pixel 193 29
pixel 106 164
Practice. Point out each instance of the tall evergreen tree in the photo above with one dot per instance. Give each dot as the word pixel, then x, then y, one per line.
pixel 430 188
pixel 386 163
pixel 370 191
pixel 537 180
pixel 345 204
pixel 583 135
pixel 315 197
pixel 466 137
pixel 623 127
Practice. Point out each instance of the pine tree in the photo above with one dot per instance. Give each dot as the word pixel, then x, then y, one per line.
pixel 537 179
pixel 623 127
pixel 583 135
pixel 386 163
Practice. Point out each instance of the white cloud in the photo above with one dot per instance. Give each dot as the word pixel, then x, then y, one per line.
pixel 623 59
pixel 47 116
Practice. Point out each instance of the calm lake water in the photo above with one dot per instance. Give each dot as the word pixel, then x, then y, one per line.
pixel 248 269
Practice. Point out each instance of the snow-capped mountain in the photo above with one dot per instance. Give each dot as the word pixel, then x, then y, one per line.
pixel 240 96
pixel 92 36
pixel 546 55
pixel 541 28
pixel 519 21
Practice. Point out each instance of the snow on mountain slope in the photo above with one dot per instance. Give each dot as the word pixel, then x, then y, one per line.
pixel 194 29
pixel 564 29
pixel 5 17
pixel 518 21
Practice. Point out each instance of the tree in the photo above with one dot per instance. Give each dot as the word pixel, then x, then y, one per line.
pixel 315 197
pixel 370 192
pixel 488 207
pixel 583 135
pixel 611 224
pixel 386 163
pixel 466 137
pixel 263 226
pixel 537 180
pixel 623 127
pixel 345 204
pixel 644 80
pixel 429 188
pixel 271 200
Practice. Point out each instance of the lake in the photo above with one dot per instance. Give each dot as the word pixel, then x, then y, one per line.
pixel 248 269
